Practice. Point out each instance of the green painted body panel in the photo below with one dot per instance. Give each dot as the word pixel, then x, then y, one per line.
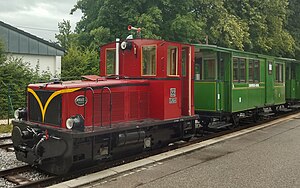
pixel 297 83
pixel 205 96
pixel 279 94
pixel 290 89
pixel 245 98
pixel 270 85
pixel 220 96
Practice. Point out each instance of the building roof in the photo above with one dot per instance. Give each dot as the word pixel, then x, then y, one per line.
pixel 21 42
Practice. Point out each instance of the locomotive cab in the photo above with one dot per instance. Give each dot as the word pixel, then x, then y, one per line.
pixel 167 66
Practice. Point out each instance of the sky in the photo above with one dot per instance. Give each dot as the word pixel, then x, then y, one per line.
pixel 38 17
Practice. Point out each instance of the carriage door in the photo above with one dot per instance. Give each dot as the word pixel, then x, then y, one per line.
pixel 186 85
pixel 270 82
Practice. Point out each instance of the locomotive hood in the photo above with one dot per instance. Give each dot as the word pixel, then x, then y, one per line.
pixel 48 103
pixel 81 84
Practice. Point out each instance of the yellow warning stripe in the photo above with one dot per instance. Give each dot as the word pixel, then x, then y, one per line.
pixel 44 108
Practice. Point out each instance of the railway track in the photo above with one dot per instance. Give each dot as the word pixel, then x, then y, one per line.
pixel 13 175
pixel 5 143
pixel 17 177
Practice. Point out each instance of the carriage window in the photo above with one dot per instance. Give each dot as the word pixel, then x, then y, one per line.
pixel 239 70
pixel 172 60
pixel 270 67
pixel 198 66
pixel 149 60
pixel 287 72
pixel 291 72
pixel 251 70
pixel 209 68
pixel 235 70
pixel 242 63
pixel 221 68
pixel 279 72
pixel 110 61
pixel 254 71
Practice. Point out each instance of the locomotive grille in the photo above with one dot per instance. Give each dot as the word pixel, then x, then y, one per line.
pixel 53 112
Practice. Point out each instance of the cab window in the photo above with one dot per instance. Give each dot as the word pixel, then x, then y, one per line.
pixel 110 61
pixel 172 60
pixel 148 60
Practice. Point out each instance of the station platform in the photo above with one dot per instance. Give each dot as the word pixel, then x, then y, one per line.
pixel 264 156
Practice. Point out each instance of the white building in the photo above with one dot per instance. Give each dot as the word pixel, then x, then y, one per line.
pixel 32 49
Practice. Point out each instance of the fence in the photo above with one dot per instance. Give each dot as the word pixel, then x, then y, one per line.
pixel 12 97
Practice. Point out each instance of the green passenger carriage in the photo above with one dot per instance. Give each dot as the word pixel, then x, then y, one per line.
pixel 292 83
pixel 231 83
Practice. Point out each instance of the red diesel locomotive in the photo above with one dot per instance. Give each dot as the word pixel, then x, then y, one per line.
pixel 143 99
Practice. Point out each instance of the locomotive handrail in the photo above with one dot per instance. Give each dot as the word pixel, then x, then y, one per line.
pixel 110 105
pixel 93 107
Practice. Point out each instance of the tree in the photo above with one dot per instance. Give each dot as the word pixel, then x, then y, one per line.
pixel 65 37
pixel 252 25
pixel 158 19
pixel 293 25
pixel 79 61
pixel 266 21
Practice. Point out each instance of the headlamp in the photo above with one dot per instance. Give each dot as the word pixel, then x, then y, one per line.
pixel 75 122
pixel 20 113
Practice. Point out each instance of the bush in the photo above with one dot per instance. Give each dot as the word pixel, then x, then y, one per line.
pixel 15 76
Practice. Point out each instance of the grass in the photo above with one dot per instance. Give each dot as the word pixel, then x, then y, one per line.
pixel 5 128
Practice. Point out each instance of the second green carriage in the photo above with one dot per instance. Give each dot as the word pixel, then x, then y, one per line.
pixel 292 82
pixel 230 83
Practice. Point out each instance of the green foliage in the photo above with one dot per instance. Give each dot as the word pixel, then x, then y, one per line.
pixel 15 76
pixel 65 36
pixel 80 61
pixel 293 25
pixel 260 26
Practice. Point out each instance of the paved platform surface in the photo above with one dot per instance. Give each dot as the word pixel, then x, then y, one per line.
pixel 269 157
